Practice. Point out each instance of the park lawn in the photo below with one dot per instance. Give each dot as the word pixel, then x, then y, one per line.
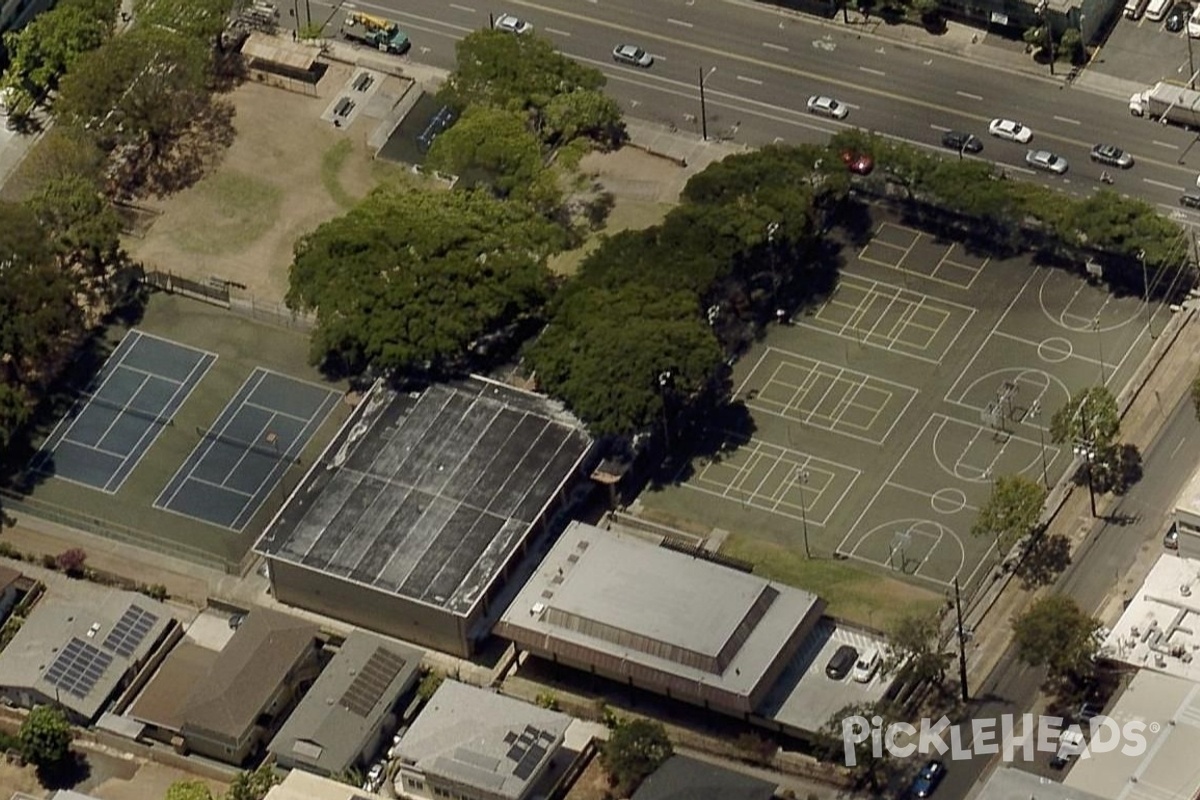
pixel 625 215
pixel 853 593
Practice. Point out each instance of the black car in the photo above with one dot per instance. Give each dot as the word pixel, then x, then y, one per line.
pixel 927 779
pixel 1111 155
pixel 842 662
pixel 1177 19
pixel 962 142
pixel 1190 199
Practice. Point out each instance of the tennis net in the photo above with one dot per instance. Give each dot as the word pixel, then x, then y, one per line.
pixel 265 449
pixel 91 399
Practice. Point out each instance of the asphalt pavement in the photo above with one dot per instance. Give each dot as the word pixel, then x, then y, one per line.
pixel 760 65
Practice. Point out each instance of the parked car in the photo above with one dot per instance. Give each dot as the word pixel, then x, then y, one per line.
pixel 842 662
pixel 512 24
pixel 962 142
pixel 632 55
pixel 1190 200
pixel 1045 160
pixel 858 163
pixel 1177 20
pixel 867 666
pixel 1010 130
pixel 927 779
pixel 1193 24
pixel 827 107
pixel 1111 155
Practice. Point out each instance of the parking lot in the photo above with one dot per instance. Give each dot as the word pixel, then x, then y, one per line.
pixel 1144 53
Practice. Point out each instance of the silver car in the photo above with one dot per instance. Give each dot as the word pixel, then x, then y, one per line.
pixel 827 107
pixel 1045 160
pixel 633 55
pixel 511 24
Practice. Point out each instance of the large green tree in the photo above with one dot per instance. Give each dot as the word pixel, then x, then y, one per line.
pixel 635 748
pixel 495 146
pixel 45 736
pixel 253 784
pixel 412 280
pixel 1089 416
pixel 1012 510
pixel 916 651
pixel 48 47
pixel 82 225
pixel 1057 634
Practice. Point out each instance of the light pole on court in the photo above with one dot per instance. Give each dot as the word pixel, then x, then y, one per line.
pixel 800 478
pixel 1035 411
pixel 1100 350
pixel 1085 446
pixel 1141 255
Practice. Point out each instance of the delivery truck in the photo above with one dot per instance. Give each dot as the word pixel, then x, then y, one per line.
pixel 1168 103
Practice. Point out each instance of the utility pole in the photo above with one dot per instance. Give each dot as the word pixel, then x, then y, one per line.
pixel 664 380
pixel 1086 447
pixel 1191 61
pixel 703 110
pixel 801 477
pixel 962 645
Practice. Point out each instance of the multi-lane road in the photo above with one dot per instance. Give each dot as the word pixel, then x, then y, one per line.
pixel 760 65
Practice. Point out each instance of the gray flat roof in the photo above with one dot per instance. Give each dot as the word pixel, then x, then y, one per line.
pixel 482 739
pixel 1011 783
pixel 425 495
pixel 78 645
pixel 347 704
pixel 621 595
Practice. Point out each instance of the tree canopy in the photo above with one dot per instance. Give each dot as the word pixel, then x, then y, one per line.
pixel 413 280
pixel 1057 634
pixel 201 20
pixel 189 790
pixel 1012 510
pixel 635 748
pixel 45 736
pixel 48 47
pixel 917 654
pixel 1091 415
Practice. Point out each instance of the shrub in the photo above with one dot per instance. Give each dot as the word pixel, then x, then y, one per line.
pixel 71 561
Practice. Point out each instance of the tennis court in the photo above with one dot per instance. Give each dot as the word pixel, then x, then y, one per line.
pixel 120 415
pixel 242 457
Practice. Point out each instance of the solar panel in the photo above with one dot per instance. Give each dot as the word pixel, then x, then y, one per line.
pixel 77 668
pixel 530 762
pixel 129 631
pixel 372 681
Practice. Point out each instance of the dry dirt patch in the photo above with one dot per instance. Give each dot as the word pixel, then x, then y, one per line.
pixel 286 172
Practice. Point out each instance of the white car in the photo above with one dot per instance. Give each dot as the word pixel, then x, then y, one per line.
pixel 1045 160
pixel 1007 129
pixel 827 107
pixel 633 55
pixel 866 666
pixel 1193 24
pixel 510 24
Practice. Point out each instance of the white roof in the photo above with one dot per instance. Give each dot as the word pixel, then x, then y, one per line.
pixel 1160 628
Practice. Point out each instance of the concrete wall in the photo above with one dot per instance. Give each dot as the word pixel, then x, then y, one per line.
pixel 371 609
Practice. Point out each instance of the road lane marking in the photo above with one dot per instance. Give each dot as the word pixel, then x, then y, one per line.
pixel 941 128
pixel 755 81
pixel 778 47
pixel 1163 185
pixel 674 21
pixel 878 72
pixel 969 96
pixel 556 32
pixel 1068 120
pixel 1018 169
pixel 467 9
pixel 1164 144
pixel 1178 447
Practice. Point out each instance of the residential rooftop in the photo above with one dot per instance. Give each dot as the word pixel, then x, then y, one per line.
pixel 426 494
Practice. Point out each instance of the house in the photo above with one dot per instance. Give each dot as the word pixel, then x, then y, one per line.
pixel 239 702
pixel 80 646
pixel 621 606
pixel 473 744
pixel 423 505
pixel 683 778
pixel 1012 783
pixel 348 714
pixel 300 785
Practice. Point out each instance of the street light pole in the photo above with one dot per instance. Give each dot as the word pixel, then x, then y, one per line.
pixel 962 646
pixel 801 477
pixel 1086 447
pixel 1191 61
pixel 1146 290
pixel 1100 350
pixel 664 378
pixel 1035 411
pixel 703 109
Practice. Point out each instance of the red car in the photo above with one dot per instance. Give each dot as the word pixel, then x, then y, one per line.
pixel 858 163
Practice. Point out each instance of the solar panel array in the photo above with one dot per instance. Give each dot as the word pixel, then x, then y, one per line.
pixel 528 749
pixel 77 668
pixel 129 631
pixel 372 681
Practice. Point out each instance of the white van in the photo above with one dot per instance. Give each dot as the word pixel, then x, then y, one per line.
pixel 1134 8
pixel 1157 10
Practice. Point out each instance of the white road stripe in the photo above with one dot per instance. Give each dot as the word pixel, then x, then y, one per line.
pixel 778 47
pixel 680 22
pixel 755 81
pixel 878 72
pixel 969 96
pixel 1163 185
pixel 1019 169
pixel 556 32
pixel 1164 144
pixel 468 9
pixel 941 128
pixel 1068 120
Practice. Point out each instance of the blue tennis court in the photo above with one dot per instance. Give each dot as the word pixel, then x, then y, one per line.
pixel 118 417
pixel 241 458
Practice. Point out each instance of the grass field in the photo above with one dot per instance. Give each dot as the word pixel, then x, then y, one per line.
pixel 854 593
pixel 238 210
pixel 625 215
